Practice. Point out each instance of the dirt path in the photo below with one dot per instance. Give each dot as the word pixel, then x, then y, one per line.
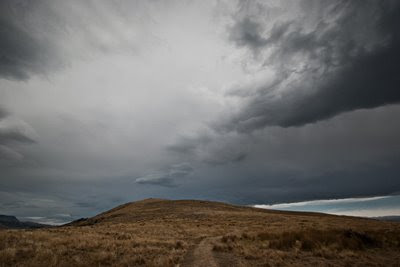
pixel 202 255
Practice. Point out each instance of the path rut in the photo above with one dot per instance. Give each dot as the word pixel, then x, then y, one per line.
pixel 202 255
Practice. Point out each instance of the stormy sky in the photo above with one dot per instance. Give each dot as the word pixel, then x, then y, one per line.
pixel 104 102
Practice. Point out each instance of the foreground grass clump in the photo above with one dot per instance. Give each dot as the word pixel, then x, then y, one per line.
pixel 337 239
pixel 172 233
pixel 83 246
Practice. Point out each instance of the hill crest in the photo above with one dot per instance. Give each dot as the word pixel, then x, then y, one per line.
pixel 155 208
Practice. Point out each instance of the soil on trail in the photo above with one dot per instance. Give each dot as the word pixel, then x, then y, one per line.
pixel 202 255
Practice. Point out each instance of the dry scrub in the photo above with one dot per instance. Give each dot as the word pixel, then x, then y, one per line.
pixel 161 233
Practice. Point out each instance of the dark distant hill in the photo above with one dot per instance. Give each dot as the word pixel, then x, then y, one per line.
pixel 11 222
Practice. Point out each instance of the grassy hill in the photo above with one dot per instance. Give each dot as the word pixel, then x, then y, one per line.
pixel 157 232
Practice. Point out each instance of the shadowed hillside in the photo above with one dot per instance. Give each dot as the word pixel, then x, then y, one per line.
pixel 157 232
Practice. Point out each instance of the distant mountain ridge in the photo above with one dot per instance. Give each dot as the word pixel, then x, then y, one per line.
pixel 11 222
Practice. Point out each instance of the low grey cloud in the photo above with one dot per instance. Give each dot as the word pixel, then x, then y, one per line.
pixel 3 113
pixel 13 133
pixel 13 136
pixel 210 147
pixel 167 176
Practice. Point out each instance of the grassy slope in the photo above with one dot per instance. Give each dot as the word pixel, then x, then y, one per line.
pixel 158 232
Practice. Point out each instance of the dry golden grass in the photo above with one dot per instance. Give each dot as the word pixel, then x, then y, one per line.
pixel 165 233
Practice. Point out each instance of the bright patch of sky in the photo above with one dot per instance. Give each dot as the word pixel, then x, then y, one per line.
pixel 364 207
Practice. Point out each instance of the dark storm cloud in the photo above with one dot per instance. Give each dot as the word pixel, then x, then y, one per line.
pixel 344 59
pixel 247 33
pixel 358 182
pixel 35 36
pixel 339 66
pixel 24 50
pixel 353 154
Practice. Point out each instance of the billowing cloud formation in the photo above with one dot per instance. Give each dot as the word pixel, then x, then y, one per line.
pixel 319 61
pixel 340 58
pixel 40 37
pixel 24 48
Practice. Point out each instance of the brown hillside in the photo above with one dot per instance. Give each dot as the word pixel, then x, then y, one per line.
pixel 157 232
pixel 188 210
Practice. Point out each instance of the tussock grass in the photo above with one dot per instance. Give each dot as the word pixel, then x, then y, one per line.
pixel 161 233
pixel 316 239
